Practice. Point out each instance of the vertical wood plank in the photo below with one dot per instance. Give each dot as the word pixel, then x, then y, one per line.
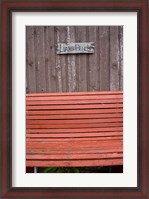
pixel 27 85
pixel 104 58
pixel 47 58
pixel 93 66
pixel 46 44
pixel 30 60
pixel 58 61
pixel 121 55
pixel 62 30
pixel 40 59
pixel 52 59
pixel 77 61
pixel 72 86
pixel 27 69
pixel 82 60
pixel 114 58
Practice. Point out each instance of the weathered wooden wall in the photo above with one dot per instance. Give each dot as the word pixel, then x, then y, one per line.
pixel 48 72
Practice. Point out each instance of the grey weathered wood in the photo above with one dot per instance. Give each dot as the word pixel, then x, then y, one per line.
pixel 40 59
pixel 27 69
pixel 71 61
pixel 82 64
pixel 58 62
pixel 52 58
pixel 48 72
pixel 47 59
pixel 104 62
pixel 114 58
pixel 30 60
pixel 121 55
pixel 93 65
pixel 62 31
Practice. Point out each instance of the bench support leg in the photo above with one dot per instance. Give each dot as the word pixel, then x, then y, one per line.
pixel 35 169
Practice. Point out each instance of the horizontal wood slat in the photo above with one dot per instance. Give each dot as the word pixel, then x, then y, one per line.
pixel 29 139
pixel 77 121
pixel 56 135
pixel 68 98
pixel 83 116
pixel 64 107
pixel 75 102
pixel 86 130
pixel 76 151
pixel 76 143
pixel 71 126
pixel 74 156
pixel 66 112
pixel 74 129
pixel 79 163
pixel 75 93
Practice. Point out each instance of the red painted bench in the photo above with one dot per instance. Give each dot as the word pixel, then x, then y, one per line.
pixel 74 129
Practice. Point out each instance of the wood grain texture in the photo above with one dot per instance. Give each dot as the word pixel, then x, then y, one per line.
pixel 62 34
pixel 85 129
pixel 121 57
pixel 104 62
pixel 51 60
pixel 40 59
pixel 49 72
pixel 54 113
pixel 114 59
pixel 76 93
pixel 30 60
pixel 71 61
pixel 82 60
pixel 81 121
pixel 58 61
pixel 93 61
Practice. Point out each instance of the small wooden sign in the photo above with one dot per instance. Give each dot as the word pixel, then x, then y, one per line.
pixel 75 48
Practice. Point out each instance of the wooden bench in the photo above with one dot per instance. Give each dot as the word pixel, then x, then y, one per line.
pixel 74 129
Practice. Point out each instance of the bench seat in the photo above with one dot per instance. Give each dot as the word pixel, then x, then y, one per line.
pixel 74 129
